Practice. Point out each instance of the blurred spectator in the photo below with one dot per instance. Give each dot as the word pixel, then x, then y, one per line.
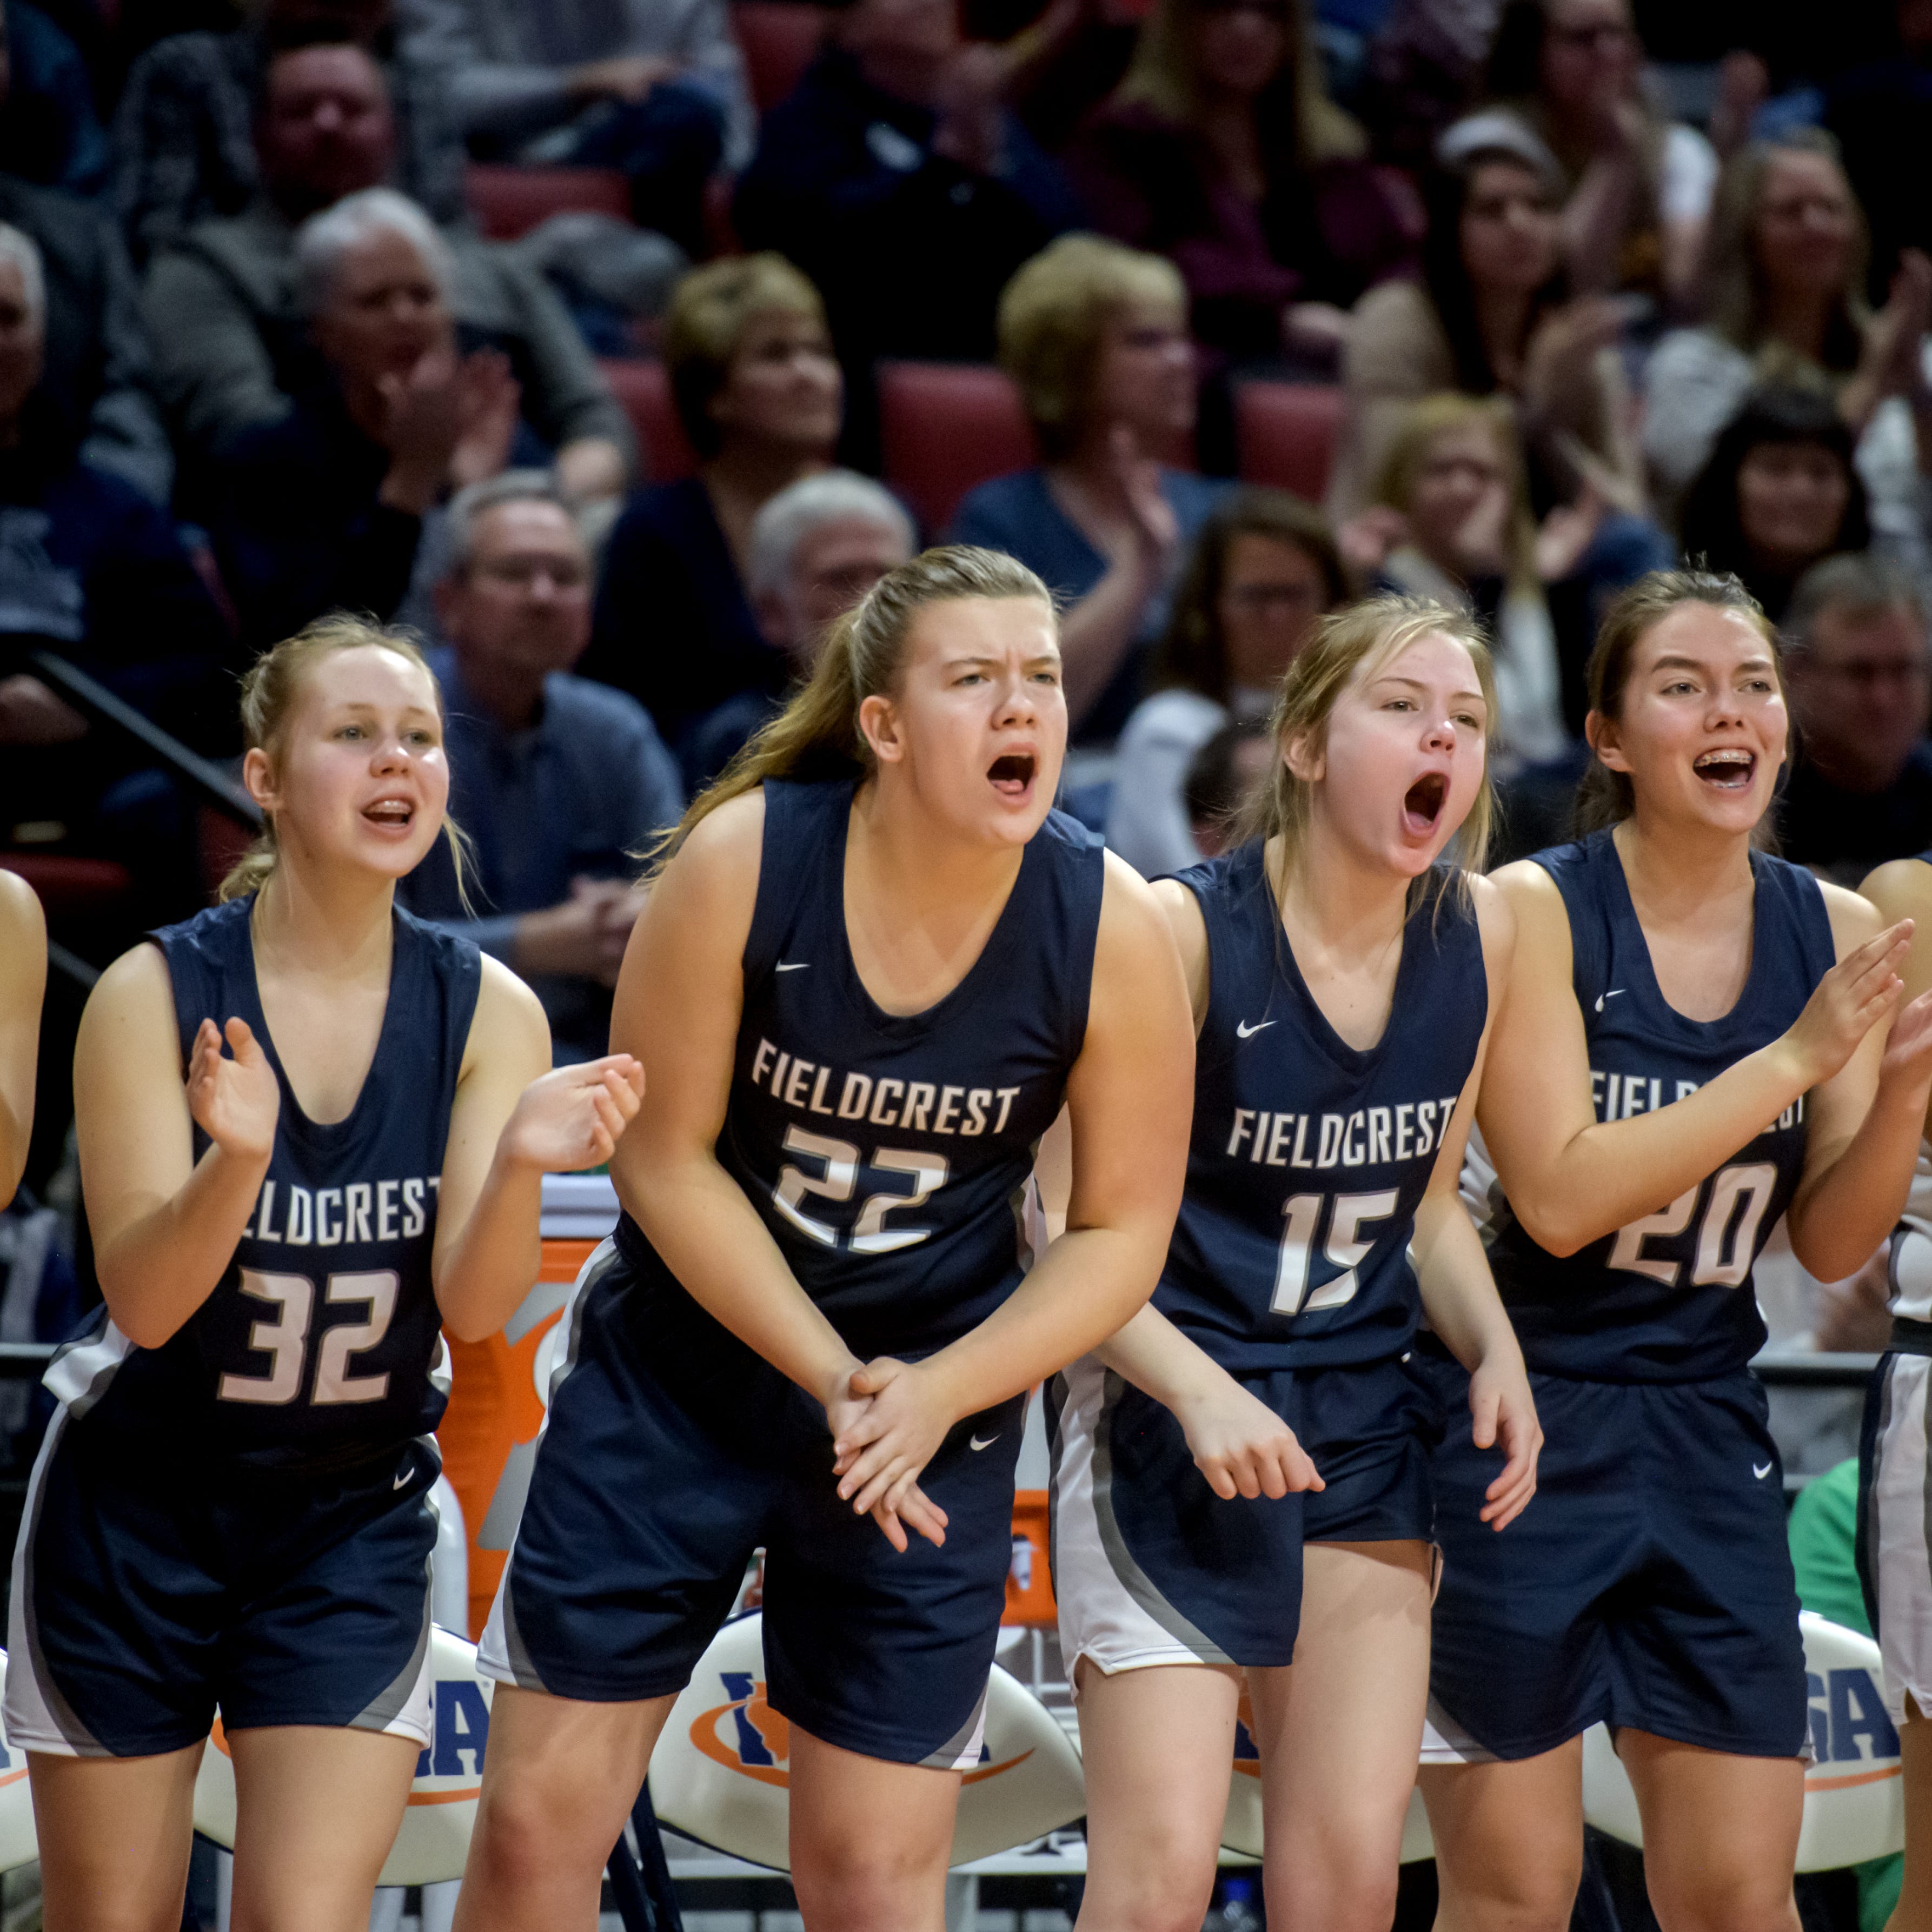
pixel 1779 493
pixel 816 547
pixel 1489 318
pixel 1860 672
pixel 1425 66
pixel 1220 149
pixel 559 784
pixel 1096 337
pixel 90 566
pixel 1637 187
pixel 184 133
pixel 323 508
pixel 1785 283
pixel 232 342
pixel 759 394
pixel 51 134
pixel 1263 571
pixel 1881 111
pixel 1221 777
pixel 896 178
pixel 1452 521
pixel 656 88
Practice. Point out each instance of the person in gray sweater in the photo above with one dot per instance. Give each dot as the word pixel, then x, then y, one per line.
pixel 656 88
pixel 231 341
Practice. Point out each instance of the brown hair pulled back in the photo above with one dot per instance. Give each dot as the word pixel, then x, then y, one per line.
pixel 271 691
pixel 816 735
pixel 1604 797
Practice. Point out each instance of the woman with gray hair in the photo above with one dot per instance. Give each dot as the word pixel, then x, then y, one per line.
pixel 324 509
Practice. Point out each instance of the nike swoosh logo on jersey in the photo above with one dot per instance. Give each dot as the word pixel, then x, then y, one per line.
pixel 791 965
pixel 1760 1470
pixel 1244 1031
pixel 989 1442
pixel 1610 995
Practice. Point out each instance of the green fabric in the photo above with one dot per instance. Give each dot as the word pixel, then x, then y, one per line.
pixel 1823 1533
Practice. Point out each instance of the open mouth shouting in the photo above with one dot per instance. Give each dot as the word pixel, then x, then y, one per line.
pixel 1729 768
pixel 390 814
pixel 1422 804
pixel 1012 776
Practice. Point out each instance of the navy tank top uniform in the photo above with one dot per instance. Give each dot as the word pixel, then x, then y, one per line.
pixel 1289 1267
pixel 193 1502
pixel 890 1157
pixel 1648 1583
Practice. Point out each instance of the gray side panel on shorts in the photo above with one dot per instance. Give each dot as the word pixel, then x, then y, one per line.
pixel 382 1710
pixel 964 1742
pixel 26 1619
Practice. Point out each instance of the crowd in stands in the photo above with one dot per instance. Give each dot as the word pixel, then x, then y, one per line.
pixel 1544 309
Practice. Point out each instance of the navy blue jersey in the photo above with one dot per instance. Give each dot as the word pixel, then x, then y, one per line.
pixel 321 1343
pixel 1668 1298
pixel 1309 1158
pixel 890 1155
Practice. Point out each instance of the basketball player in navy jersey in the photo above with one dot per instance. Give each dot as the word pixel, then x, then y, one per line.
pixel 312 1131
pixel 1343 978
pixel 1679 1062
pixel 23 982
pixel 1895 1552
pixel 871 969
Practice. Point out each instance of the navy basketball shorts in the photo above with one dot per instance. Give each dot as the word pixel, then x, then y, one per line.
pixel 670 1454
pixel 1151 1566
pixel 1895 1539
pixel 146 1594
pixel 1647 1585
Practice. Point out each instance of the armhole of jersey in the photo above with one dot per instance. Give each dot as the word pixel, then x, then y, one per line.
pixel 1194 880
pixel 1588 964
pixel 167 942
pixel 1088 893
pixel 779 884
pixel 1810 915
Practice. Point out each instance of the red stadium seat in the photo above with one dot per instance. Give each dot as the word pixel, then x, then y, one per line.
pixel 67 886
pixel 1286 434
pixel 509 202
pixel 780 39
pixel 946 427
pixel 644 390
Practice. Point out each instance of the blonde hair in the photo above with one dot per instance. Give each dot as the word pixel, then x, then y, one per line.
pixel 816 735
pixel 1053 317
pixel 271 691
pixel 1436 416
pixel 1360 641
pixel 1162 75
pixel 708 311
pixel 1734 279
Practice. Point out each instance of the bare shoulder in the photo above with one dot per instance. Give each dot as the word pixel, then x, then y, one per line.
pixel 713 876
pixel 1182 911
pixel 22 922
pixel 509 1019
pixel 1130 913
pixel 1900 889
pixel 1855 919
pixel 1495 923
pixel 133 1001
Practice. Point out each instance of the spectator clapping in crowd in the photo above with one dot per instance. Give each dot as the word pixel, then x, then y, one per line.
pixel 1221 150
pixel 1095 336
pixel 760 396
pixel 656 88
pixel 233 345
pixel 816 548
pixel 1860 669
pixel 1263 571
pixel 558 783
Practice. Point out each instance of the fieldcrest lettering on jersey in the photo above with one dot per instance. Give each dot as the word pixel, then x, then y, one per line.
pixel 922 1106
pixel 1367 1137
pixel 296 1216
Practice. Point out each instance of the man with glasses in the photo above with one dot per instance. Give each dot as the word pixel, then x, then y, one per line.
pixel 1860 680
pixel 559 782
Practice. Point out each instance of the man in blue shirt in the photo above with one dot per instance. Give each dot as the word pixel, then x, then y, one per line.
pixel 559 783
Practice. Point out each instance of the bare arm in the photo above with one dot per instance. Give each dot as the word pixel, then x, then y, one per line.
pixel 23 980
pixel 1865 1124
pixel 514 1121
pixel 1130 1095
pixel 1902 889
pixel 1571 1179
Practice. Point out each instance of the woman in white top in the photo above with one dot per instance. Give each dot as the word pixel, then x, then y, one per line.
pixel 1263 569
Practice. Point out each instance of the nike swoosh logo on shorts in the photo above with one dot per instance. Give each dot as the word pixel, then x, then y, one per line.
pixel 401 1480
pixel 989 1442
pixel 1613 994
pixel 1760 1470
pixel 1243 1030
pixel 791 965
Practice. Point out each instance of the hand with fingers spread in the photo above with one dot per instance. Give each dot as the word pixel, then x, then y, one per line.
pixel 1503 1413
pixel 1856 995
pixel 847 1407
pixel 235 1102
pixel 1241 1446
pixel 575 1117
